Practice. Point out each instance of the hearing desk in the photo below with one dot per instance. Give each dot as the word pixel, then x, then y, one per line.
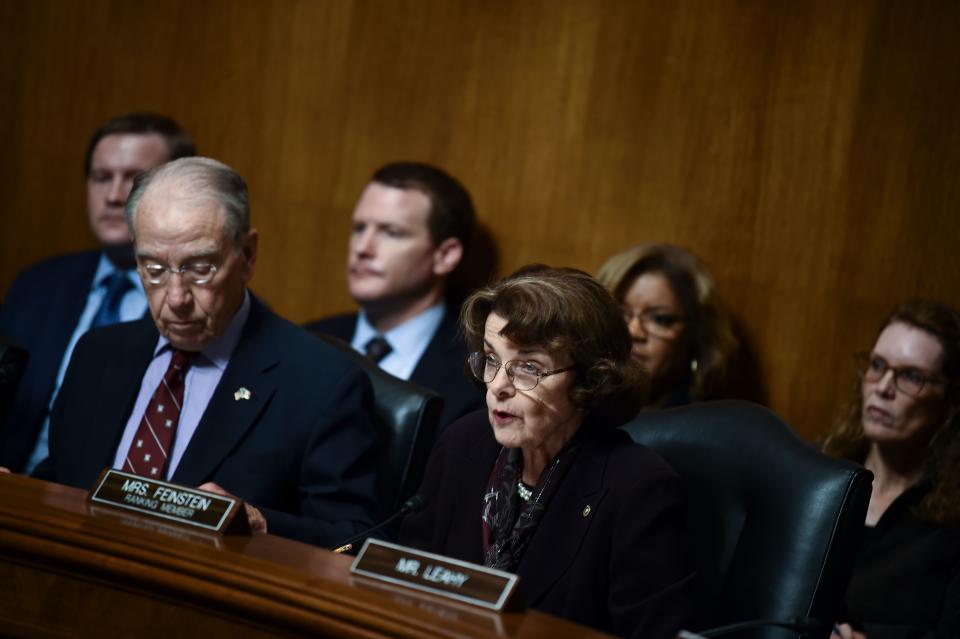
pixel 72 568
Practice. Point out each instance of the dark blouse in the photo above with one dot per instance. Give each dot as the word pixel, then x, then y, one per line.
pixel 608 551
pixel 906 583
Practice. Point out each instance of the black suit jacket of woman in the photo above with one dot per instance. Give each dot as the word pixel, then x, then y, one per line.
pixel 608 552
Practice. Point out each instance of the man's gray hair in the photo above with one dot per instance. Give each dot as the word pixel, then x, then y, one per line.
pixel 199 179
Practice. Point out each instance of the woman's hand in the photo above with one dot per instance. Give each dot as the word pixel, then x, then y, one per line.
pixel 846 631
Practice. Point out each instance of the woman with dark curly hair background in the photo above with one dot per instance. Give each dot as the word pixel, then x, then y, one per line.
pixel 679 329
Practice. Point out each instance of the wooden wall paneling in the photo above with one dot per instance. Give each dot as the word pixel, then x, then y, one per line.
pixel 808 152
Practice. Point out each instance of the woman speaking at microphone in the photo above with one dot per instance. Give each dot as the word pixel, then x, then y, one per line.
pixel 543 483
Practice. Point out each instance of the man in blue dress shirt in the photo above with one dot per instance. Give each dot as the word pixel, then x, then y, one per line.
pixel 52 304
pixel 410 228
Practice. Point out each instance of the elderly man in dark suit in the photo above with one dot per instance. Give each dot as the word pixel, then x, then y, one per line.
pixel 216 390
pixel 410 229
pixel 52 304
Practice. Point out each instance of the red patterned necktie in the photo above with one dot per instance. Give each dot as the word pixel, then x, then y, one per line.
pixel 150 447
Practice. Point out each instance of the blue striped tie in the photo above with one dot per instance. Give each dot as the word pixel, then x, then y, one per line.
pixel 109 312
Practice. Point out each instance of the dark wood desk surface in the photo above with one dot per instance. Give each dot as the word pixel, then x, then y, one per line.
pixel 70 569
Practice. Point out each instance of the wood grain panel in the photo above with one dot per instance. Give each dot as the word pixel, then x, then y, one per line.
pixel 809 152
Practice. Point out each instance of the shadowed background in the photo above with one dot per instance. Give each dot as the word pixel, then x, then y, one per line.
pixel 808 152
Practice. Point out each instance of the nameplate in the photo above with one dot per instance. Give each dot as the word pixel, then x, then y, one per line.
pixel 438 575
pixel 177 504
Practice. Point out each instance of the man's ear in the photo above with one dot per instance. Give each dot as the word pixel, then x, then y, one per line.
pixel 447 256
pixel 249 253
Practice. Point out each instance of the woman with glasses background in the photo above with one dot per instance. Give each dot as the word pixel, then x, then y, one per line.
pixel 680 331
pixel 543 483
pixel 904 425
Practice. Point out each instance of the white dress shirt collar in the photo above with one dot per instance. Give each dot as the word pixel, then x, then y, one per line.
pixel 408 340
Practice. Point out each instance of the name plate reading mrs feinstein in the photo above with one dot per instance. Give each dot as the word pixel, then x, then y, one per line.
pixel 435 574
pixel 178 504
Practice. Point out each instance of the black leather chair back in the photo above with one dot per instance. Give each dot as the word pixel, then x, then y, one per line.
pixel 406 416
pixel 773 524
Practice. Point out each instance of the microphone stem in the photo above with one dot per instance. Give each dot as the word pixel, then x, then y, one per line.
pixel 408 507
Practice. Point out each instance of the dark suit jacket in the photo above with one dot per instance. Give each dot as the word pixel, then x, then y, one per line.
pixel 441 368
pixel 40 313
pixel 300 449
pixel 608 552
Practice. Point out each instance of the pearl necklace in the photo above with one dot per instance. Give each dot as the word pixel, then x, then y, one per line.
pixel 524 492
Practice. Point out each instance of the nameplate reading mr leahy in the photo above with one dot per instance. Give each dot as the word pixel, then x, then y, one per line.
pixel 438 575
pixel 178 504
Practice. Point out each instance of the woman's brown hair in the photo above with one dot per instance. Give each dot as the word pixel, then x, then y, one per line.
pixel 566 310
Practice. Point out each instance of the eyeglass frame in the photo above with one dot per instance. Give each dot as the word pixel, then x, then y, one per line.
pixel 508 368
pixel 864 367
pixel 646 319
pixel 184 270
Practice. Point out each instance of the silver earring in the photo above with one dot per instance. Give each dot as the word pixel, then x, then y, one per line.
pixel 694 365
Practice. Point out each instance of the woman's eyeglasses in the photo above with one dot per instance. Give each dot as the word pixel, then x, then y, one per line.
pixel 655 321
pixel 522 374
pixel 908 379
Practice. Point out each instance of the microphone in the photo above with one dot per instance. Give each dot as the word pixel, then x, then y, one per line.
pixel 802 625
pixel 412 505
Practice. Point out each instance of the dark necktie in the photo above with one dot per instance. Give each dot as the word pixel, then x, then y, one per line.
pixel 150 447
pixel 109 312
pixel 377 348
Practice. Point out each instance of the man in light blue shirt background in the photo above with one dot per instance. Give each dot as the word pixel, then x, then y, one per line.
pixel 410 230
pixel 52 304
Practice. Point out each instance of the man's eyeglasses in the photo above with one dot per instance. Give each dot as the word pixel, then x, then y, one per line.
pixel 522 374
pixel 196 273
pixel 908 379
pixel 656 321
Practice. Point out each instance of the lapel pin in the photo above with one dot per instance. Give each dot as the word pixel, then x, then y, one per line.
pixel 586 511
pixel 242 393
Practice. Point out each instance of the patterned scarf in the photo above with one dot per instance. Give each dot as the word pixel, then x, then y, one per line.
pixel 506 533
